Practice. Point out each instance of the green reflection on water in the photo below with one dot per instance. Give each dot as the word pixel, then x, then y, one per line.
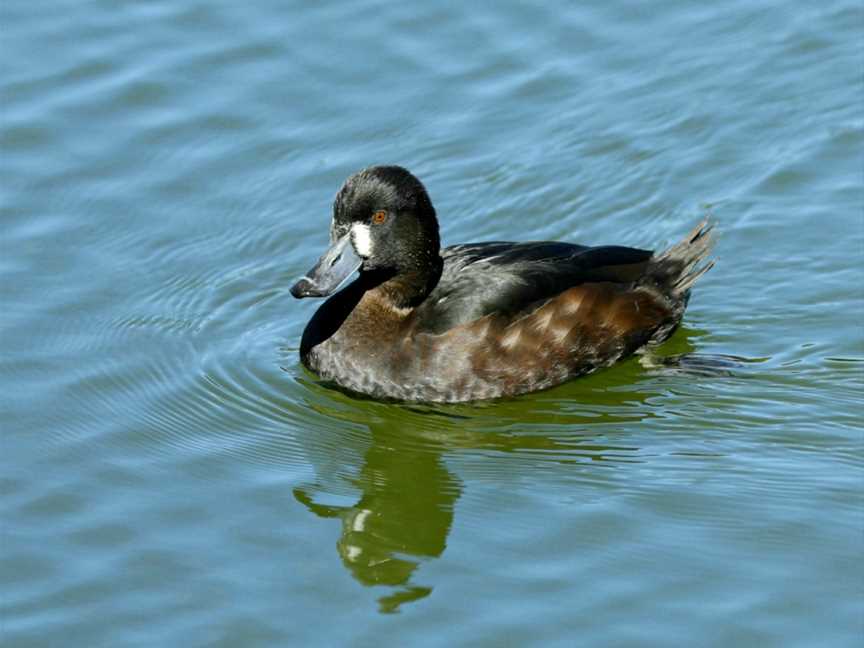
pixel 403 516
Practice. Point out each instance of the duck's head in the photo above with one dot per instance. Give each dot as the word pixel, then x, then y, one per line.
pixel 384 224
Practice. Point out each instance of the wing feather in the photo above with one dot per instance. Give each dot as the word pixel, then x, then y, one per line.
pixel 510 278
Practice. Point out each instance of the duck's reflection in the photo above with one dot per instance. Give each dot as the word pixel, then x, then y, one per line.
pixel 405 511
pixel 404 515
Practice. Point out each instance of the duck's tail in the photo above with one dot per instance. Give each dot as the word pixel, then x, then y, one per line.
pixel 676 269
pixel 672 273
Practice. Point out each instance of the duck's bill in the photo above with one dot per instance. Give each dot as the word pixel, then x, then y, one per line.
pixel 338 263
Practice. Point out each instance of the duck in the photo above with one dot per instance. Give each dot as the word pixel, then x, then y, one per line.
pixel 477 321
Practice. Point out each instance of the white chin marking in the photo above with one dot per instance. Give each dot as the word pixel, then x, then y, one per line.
pixel 362 240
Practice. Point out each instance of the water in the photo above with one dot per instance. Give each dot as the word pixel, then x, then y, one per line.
pixel 172 476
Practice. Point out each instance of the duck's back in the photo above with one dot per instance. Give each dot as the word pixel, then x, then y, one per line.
pixel 508 279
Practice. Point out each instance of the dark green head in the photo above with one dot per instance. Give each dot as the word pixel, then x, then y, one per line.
pixel 383 222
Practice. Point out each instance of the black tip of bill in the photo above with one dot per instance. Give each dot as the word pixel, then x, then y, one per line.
pixel 303 288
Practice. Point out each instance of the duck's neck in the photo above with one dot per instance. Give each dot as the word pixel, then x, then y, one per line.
pixel 408 288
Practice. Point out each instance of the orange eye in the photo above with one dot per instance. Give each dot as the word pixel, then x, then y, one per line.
pixel 379 217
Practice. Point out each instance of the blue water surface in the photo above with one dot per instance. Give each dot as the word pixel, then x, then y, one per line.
pixel 172 476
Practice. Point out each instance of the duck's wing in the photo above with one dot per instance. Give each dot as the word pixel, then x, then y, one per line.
pixel 511 278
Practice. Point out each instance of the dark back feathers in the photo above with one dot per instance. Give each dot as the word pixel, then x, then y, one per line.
pixel 510 278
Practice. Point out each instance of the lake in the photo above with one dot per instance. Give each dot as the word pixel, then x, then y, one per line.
pixel 172 476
